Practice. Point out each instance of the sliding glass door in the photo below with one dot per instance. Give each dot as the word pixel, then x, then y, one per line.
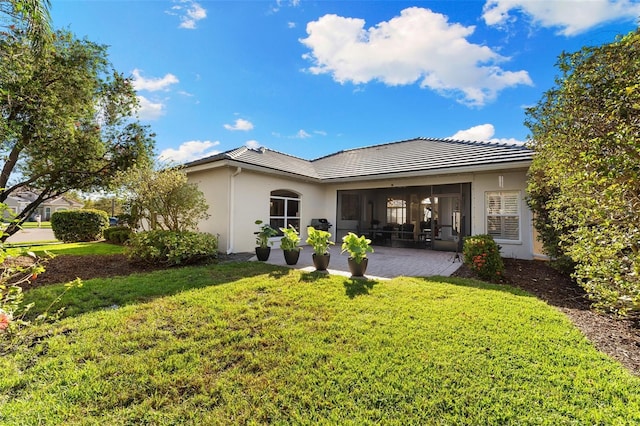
pixel 447 221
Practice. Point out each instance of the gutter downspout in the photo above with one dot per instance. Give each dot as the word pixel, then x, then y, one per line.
pixel 232 210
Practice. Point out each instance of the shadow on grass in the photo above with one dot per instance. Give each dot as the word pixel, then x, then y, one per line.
pixel 358 286
pixel 315 276
pixel 101 293
pixel 530 278
pixel 475 283
pixel 280 272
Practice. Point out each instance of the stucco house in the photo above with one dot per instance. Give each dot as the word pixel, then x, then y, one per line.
pixel 420 193
pixel 16 202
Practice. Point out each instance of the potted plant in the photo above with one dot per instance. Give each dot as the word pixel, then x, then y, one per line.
pixel 262 240
pixel 290 245
pixel 358 247
pixel 319 240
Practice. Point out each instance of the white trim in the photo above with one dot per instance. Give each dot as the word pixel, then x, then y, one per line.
pixel 232 210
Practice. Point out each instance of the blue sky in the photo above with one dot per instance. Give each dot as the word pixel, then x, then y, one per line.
pixel 309 78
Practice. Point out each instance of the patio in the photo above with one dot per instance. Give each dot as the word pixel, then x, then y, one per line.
pixel 384 263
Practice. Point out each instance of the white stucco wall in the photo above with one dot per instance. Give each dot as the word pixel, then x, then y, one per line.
pixel 237 197
pixel 252 197
pixel 511 181
pixel 215 185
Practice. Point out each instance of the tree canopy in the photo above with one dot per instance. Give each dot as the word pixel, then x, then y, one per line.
pixel 31 15
pixel 584 182
pixel 66 119
pixel 162 199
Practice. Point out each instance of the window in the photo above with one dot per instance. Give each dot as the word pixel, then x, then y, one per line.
pixel 503 215
pixel 396 210
pixel 284 210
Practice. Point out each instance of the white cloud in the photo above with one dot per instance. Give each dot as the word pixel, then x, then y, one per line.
pixel 280 3
pixel 482 133
pixel 477 133
pixel 153 84
pixel 417 46
pixel 189 151
pixel 252 144
pixel 189 12
pixel 320 132
pixel 148 110
pixel 301 135
pixel 570 16
pixel 240 124
pixel 291 24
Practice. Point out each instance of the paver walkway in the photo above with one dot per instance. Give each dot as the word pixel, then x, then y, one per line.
pixel 384 262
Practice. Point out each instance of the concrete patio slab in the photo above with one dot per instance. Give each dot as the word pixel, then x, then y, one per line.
pixel 28 235
pixel 384 262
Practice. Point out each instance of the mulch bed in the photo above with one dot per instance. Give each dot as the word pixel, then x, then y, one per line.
pixel 618 338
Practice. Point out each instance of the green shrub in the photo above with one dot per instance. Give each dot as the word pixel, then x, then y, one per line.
pixel 482 255
pixel 117 234
pixel 73 226
pixel 608 269
pixel 171 247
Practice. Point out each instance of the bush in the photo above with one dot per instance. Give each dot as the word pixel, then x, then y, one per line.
pixel 584 179
pixel 482 255
pixel 171 247
pixel 19 267
pixel 79 225
pixel 117 234
pixel 608 269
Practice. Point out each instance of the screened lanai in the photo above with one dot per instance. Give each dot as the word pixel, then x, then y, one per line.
pixel 431 216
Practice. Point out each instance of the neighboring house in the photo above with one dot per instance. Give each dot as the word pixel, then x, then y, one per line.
pixel 17 201
pixel 428 191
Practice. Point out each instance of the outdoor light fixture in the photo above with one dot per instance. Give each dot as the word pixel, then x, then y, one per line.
pixel 500 181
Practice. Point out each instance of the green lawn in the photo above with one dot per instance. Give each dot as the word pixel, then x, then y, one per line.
pixel 56 247
pixel 31 225
pixel 96 247
pixel 250 343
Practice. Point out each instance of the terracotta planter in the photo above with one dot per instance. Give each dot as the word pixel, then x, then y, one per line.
pixel 263 253
pixel 321 262
pixel 358 269
pixel 291 256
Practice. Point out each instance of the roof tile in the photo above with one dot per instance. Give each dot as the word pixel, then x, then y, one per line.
pixel 415 155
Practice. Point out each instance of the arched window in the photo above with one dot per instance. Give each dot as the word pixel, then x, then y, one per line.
pixel 284 209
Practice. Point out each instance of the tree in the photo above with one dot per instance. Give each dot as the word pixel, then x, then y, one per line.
pixel 162 199
pixel 584 183
pixel 112 205
pixel 65 119
pixel 33 16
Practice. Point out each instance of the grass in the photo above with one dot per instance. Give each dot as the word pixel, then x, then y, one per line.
pixel 250 343
pixel 32 225
pixel 97 247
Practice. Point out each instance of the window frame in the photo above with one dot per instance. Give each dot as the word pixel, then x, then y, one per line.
pixel 504 214
pixel 395 212
pixel 286 197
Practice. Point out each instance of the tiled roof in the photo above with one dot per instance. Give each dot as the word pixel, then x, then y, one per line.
pixel 415 155
pixel 264 158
